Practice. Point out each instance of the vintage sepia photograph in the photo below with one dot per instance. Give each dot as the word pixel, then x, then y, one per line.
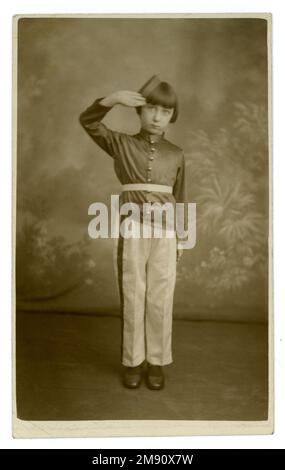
pixel 142 225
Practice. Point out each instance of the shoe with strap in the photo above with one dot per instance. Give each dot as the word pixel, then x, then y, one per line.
pixel 154 377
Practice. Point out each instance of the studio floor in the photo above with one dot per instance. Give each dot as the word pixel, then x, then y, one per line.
pixel 68 368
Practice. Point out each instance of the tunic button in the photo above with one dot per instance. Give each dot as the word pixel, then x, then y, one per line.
pixel 151 157
pixel 152 149
pixel 149 168
pixel 149 180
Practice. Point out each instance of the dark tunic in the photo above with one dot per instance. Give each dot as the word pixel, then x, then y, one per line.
pixel 140 158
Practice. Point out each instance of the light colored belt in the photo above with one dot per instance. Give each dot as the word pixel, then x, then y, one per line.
pixel 147 187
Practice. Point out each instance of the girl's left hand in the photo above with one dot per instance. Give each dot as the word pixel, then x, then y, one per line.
pixel 179 254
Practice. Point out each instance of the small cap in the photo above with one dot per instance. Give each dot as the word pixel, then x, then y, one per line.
pixel 149 86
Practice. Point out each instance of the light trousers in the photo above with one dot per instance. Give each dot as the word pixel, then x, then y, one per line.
pixel 146 273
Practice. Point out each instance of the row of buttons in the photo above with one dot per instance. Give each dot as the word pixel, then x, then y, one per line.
pixel 151 157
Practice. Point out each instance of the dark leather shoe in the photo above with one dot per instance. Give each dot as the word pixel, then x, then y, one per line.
pixel 154 377
pixel 132 376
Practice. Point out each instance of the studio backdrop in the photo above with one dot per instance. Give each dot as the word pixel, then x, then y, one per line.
pixel 219 69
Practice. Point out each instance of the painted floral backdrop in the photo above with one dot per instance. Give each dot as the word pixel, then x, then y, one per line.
pixel 229 182
pixel 222 128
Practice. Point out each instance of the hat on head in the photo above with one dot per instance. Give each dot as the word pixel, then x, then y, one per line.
pixel 149 86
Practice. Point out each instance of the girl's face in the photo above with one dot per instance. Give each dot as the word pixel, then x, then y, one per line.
pixel 155 118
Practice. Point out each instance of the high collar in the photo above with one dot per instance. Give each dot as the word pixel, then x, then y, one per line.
pixel 151 138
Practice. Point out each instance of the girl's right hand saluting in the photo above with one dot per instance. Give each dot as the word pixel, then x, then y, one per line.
pixel 124 97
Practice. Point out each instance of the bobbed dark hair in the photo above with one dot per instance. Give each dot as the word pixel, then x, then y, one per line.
pixel 163 95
